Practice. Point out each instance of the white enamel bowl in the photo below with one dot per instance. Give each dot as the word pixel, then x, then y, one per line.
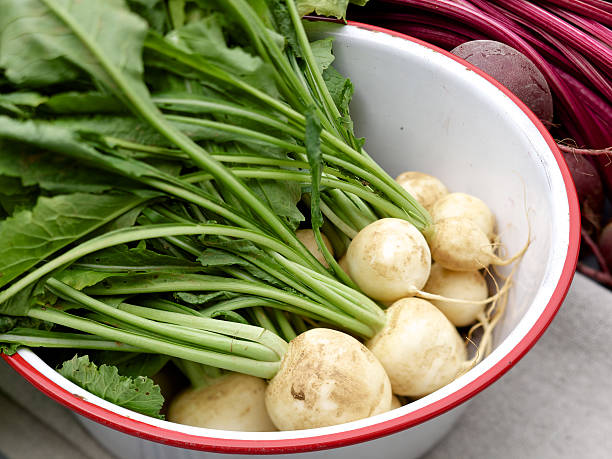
pixel 420 109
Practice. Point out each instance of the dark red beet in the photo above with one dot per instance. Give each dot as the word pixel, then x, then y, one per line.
pixel 589 188
pixel 605 244
pixel 512 69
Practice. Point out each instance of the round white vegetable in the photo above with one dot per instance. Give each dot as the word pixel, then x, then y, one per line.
pixel 466 285
pixel 395 403
pixel 462 205
pixel 326 378
pixel 234 402
pixel 460 245
pixel 425 188
pixel 389 259
pixel 419 348
pixel 306 237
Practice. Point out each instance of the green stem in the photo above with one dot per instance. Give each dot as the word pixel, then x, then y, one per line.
pixel 284 324
pixel 245 332
pixel 208 339
pixel 301 177
pixel 357 298
pixel 215 106
pixel 342 202
pixel 263 320
pixel 337 220
pixel 194 282
pixel 284 277
pixel 249 302
pixel 348 304
pixel 125 235
pixel 64 340
pixel 298 324
pixel 240 131
pixel 155 345
pixel 165 305
pixel 133 146
pixel 363 207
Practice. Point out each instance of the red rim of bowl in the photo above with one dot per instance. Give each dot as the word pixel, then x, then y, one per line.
pixel 183 440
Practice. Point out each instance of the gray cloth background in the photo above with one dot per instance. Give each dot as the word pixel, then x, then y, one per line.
pixel 555 403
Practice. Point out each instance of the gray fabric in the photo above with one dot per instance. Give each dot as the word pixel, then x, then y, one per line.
pixel 34 426
pixel 555 403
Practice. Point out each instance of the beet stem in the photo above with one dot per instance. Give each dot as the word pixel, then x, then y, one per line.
pixel 598 255
pixel 602 278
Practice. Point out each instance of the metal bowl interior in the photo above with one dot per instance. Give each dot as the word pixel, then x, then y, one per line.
pixel 420 109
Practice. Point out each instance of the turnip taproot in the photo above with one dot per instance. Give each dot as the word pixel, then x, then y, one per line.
pixel 425 188
pixel 307 237
pixel 233 402
pixel 462 205
pixel 466 285
pixel 389 259
pixel 419 348
pixel 326 378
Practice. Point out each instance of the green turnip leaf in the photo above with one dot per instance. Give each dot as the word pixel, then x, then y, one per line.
pixel 29 236
pixel 322 50
pixel 138 394
pixel 336 8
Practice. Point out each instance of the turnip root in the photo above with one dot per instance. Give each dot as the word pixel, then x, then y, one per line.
pixel 419 348
pixel 467 285
pixel 462 205
pixel 425 188
pixel 389 259
pixel 306 237
pixel 460 245
pixel 233 402
pixel 326 378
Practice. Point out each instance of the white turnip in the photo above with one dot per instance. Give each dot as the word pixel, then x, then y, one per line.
pixel 462 205
pixel 326 378
pixel 460 245
pixel 419 348
pixel 466 285
pixel 425 188
pixel 233 402
pixel 389 259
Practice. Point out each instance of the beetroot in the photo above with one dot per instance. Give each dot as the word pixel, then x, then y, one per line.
pixel 512 69
pixel 605 244
pixel 589 188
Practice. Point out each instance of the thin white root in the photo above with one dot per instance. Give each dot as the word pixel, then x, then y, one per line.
pixel 488 320
pixel 432 296
pixel 529 239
